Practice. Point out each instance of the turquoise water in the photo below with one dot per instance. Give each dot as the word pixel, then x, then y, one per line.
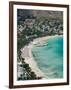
pixel 49 58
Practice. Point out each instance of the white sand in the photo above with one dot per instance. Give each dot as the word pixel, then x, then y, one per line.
pixel 26 53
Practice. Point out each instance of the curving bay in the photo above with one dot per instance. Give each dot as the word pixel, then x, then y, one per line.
pixel 49 57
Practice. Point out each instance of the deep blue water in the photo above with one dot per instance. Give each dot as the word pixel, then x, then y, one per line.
pixel 49 58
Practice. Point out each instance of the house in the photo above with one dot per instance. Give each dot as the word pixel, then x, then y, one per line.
pixel 29 22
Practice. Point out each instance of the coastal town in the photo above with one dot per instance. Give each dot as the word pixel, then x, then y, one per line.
pixel 31 25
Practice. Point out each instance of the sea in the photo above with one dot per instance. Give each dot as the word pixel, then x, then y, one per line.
pixel 49 57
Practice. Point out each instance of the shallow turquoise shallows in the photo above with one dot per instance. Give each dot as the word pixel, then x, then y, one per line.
pixel 49 57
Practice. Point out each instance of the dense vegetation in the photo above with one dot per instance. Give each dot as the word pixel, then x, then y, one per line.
pixel 32 24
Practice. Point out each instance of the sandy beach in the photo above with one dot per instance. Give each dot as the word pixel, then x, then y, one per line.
pixel 27 54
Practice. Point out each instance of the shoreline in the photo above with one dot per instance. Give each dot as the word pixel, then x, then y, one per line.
pixel 29 59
